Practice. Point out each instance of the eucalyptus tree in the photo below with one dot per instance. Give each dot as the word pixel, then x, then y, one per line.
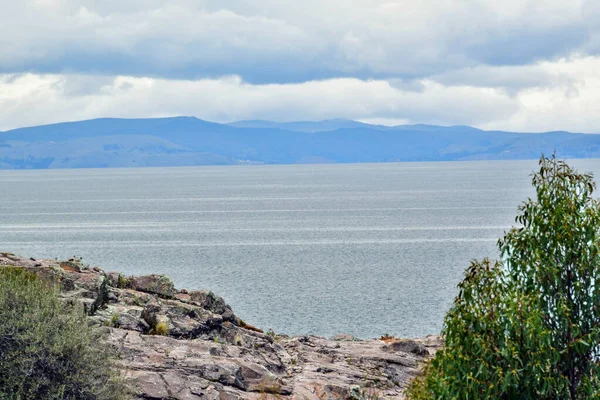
pixel 529 327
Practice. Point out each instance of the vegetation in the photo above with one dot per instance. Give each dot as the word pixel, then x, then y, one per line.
pixel 123 282
pixel 529 327
pixel 386 337
pixel 47 349
pixel 161 329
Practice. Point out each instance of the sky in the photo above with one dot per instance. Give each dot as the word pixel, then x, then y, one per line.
pixel 519 65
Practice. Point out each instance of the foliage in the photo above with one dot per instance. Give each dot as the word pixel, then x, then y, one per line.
pixel 495 343
pixel 555 256
pixel 123 282
pixel 529 328
pixel 47 349
pixel 161 329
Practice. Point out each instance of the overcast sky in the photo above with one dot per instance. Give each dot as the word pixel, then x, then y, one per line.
pixel 512 64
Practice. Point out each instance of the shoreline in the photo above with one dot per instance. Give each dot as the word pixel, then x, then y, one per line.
pixel 175 344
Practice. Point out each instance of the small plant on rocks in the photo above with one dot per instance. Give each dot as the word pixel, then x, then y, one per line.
pixel 161 329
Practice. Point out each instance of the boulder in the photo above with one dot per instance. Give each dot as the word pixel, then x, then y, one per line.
pixel 155 284
pixel 407 346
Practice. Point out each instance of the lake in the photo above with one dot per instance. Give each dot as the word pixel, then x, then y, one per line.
pixel 364 249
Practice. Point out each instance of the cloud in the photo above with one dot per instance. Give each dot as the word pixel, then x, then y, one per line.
pixel 573 105
pixel 510 78
pixel 67 97
pixel 269 41
pixel 550 95
pixel 591 18
pixel 517 64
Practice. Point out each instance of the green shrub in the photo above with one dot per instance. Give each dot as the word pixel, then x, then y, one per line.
pixel 529 328
pixel 47 349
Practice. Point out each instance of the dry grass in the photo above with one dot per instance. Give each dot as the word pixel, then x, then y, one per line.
pixel 161 329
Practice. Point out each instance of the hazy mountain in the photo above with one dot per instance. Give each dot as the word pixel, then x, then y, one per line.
pixel 189 141
pixel 305 126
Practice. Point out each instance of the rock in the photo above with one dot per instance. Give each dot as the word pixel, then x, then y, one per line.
pixel 87 287
pixel 407 346
pixel 10 259
pixel 112 297
pixel 156 284
pixel 71 266
pixel 213 303
pixel 344 337
pixel 150 385
pixel 132 323
pixel 208 353
pixel 113 279
pixel 150 314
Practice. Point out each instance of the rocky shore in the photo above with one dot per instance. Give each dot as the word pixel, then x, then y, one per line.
pixel 175 344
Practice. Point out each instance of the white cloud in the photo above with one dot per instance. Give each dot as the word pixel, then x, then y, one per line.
pixel 511 78
pixel 57 98
pixel 516 64
pixel 156 40
pixel 282 40
pixel 573 105
pixel 572 102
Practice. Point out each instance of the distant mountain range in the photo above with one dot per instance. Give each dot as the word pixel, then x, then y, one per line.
pixel 185 141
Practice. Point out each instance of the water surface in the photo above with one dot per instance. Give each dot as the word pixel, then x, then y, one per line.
pixel 364 249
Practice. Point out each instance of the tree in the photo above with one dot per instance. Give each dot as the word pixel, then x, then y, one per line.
pixel 47 349
pixel 529 327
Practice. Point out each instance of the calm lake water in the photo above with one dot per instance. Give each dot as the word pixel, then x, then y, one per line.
pixel 365 249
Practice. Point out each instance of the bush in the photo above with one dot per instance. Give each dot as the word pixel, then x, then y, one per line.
pixel 529 327
pixel 161 329
pixel 47 349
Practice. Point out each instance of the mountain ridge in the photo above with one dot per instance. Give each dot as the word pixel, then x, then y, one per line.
pixel 188 141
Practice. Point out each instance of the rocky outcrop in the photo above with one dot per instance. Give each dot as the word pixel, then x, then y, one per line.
pixel 190 345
